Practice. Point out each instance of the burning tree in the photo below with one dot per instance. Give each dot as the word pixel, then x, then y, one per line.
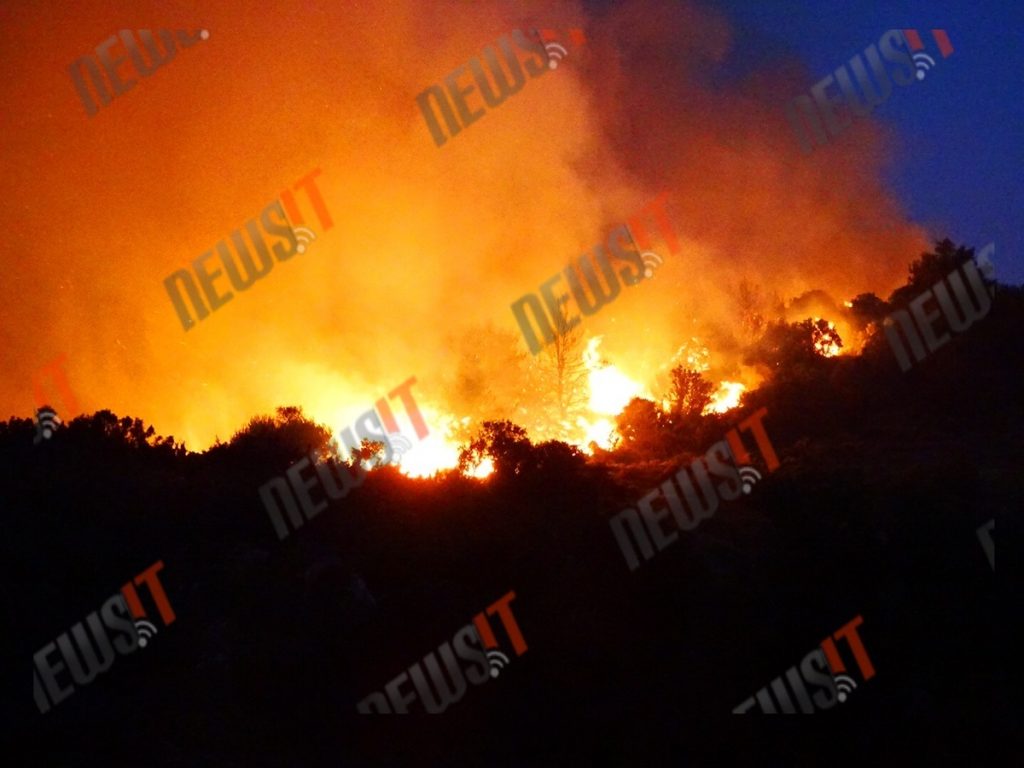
pixel 505 443
pixel 825 337
pixel 690 394
pixel 793 345
pixel 563 369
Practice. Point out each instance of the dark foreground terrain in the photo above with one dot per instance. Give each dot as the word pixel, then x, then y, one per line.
pixel 885 478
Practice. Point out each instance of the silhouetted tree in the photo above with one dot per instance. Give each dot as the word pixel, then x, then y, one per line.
pixel 505 443
pixel 691 393
pixel 564 371
pixel 275 441
pixel 640 426
pixel 868 308
pixel 929 268
pixel 789 347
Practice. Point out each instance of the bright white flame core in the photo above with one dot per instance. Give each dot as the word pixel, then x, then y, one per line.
pixel 610 389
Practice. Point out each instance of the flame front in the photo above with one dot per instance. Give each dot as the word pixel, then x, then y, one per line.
pixel 726 398
pixel 610 389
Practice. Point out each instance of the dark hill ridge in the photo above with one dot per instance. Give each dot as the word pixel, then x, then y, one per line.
pixel 885 478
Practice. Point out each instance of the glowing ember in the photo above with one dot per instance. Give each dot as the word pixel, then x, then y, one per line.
pixel 726 398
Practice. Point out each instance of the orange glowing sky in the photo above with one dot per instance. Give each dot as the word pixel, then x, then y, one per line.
pixel 427 242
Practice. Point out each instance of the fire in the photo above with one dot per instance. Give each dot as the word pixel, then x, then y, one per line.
pixel 827 348
pixel 607 390
pixel 602 432
pixel 433 454
pixel 610 389
pixel 726 398
pixel 437 451
pixel 483 469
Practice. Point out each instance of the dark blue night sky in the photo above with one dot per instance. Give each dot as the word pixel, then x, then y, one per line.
pixel 959 167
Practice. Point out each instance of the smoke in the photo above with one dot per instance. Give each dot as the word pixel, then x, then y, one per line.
pixel 428 242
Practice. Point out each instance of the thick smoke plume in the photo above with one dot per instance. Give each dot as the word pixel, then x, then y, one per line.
pixel 428 243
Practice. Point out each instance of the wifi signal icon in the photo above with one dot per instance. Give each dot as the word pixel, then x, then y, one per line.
pixel 845 685
pixel 749 476
pixel 553 54
pixel 47 422
pixel 924 62
pixel 651 262
pixel 304 235
pixel 400 444
pixel 145 630
pixel 498 662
